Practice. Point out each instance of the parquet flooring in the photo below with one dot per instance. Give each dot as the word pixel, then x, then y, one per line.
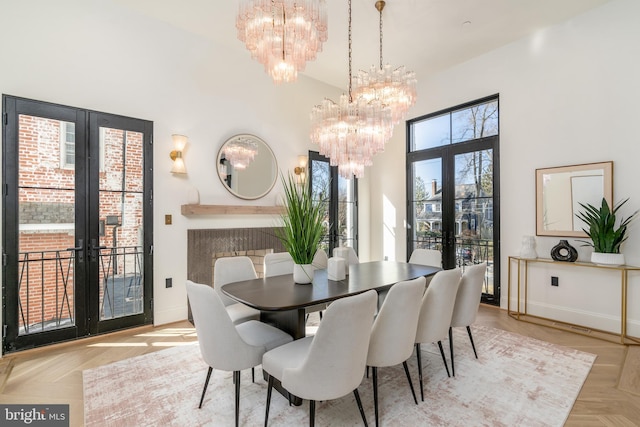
pixel 54 374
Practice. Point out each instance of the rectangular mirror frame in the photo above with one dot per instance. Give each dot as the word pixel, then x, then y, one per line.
pixel 607 191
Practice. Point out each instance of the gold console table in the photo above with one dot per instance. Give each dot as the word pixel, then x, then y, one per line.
pixel 520 312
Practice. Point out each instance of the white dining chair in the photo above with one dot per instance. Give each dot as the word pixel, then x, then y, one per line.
pixel 329 364
pixel 278 264
pixel 435 314
pixel 320 260
pixel 226 346
pixel 467 302
pixel 394 331
pixel 348 253
pixel 235 269
pixel 430 257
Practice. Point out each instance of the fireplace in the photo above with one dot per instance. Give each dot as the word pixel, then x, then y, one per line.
pixel 205 246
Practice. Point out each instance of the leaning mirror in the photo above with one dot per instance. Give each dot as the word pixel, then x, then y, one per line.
pixel 560 190
pixel 247 166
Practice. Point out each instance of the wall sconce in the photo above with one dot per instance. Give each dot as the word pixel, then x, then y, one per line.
pixel 179 142
pixel 301 169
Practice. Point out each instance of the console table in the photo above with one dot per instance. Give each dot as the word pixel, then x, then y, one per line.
pixel 520 311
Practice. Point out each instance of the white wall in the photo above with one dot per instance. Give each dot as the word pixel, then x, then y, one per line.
pixel 100 56
pixel 568 95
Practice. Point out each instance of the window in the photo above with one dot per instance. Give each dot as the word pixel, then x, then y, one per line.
pixel 67 145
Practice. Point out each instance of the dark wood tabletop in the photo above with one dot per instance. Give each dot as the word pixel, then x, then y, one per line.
pixel 281 293
pixel 282 302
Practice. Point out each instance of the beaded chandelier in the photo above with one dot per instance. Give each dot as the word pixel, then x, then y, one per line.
pixel 283 34
pixel 352 131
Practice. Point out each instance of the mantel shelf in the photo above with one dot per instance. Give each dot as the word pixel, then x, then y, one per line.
pixel 231 210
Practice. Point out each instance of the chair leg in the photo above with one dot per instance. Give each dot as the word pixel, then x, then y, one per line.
pixel 472 344
pixel 453 367
pixel 253 375
pixel 406 371
pixel 236 376
pixel 312 413
pixel 206 383
pixel 359 402
pixel 320 315
pixel 420 371
pixel 269 389
pixel 444 359
pixel 374 374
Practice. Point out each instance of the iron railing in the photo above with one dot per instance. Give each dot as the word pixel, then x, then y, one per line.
pixel 46 287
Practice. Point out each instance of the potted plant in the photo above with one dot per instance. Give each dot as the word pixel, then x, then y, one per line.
pixel 303 226
pixel 606 237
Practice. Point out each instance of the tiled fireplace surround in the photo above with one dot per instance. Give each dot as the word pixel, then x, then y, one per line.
pixel 205 246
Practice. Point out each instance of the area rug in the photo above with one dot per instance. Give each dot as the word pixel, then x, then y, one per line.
pixel 517 381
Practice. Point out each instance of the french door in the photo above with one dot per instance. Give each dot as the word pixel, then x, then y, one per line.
pixel 77 229
pixel 342 207
pixel 453 188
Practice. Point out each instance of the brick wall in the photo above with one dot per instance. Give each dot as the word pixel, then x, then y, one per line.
pixel 47 197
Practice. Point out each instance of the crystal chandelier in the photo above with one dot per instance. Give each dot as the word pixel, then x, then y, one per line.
pixel 283 34
pixel 395 88
pixel 352 131
pixel 241 152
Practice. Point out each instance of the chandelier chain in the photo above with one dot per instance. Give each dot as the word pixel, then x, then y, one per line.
pixel 380 38
pixel 350 96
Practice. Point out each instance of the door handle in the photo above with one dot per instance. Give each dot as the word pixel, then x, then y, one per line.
pixel 95 249
pixel 79 251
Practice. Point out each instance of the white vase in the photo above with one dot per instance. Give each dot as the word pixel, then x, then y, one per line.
pixel 303 273
pixel 607 259
pixel 528 249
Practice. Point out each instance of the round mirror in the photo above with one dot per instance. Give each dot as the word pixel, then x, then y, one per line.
pixel 247 166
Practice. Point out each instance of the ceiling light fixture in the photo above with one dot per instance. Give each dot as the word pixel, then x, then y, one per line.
pixel 351 132
pixel 283 34
pixel 395 88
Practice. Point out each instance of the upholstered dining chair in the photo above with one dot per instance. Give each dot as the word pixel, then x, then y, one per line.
pixel 429 257
pixel 235 269
pixel 435 314
pixel 465 309
pixel 348 253
pixel 329 364
pixel 394 331
pixel 226 346
pixel 320 260
pixel 279 263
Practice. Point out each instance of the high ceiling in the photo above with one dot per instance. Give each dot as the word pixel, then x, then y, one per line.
pixel 426 36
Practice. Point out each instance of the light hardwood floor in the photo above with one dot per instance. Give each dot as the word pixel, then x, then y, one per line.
pixel 54 375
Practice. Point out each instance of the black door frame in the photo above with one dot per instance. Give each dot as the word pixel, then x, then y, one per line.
pixel 86 288
pixel 448 153
pixel 334 235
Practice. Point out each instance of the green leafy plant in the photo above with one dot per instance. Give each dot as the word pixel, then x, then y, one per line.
pixel 605 236
pixel 303 221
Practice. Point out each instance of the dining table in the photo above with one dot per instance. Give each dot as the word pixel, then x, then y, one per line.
pixel 282 302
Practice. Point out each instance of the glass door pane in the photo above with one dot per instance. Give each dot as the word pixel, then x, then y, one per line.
pixel 346 213
pixel 46 218
pixel 426 204
pixel 121 264
pixel 474 212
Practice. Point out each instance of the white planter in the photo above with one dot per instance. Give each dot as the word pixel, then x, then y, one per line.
pixel 303 273
pixel 607 259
